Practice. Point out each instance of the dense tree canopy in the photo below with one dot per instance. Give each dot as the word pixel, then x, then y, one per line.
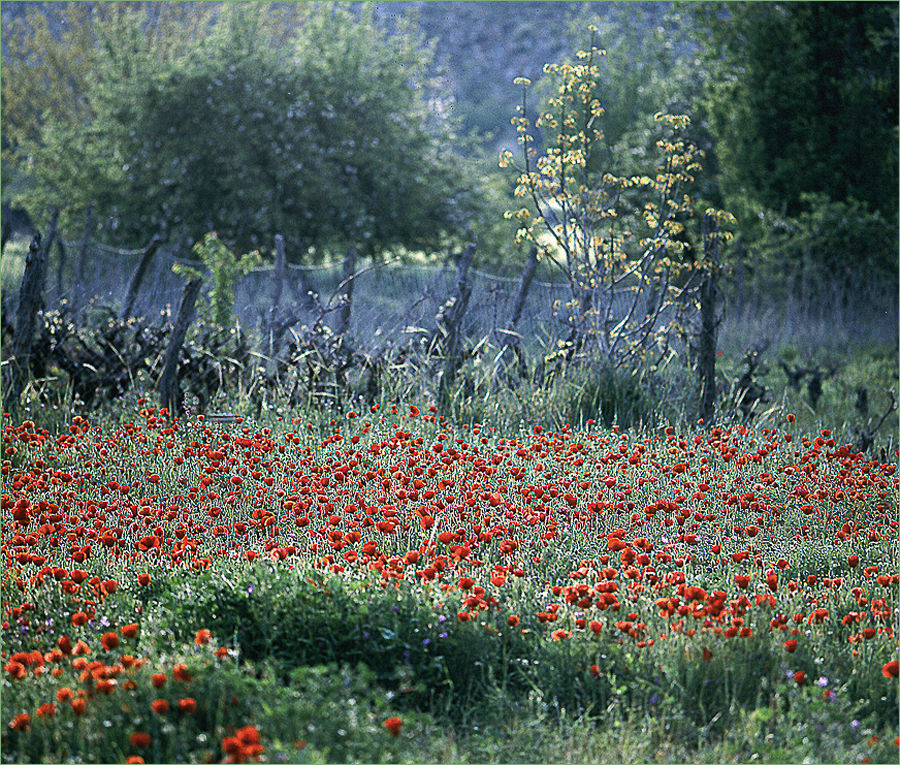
pixel 804 100
pixel 333 139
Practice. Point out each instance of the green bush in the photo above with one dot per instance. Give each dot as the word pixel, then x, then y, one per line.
pixel 332 138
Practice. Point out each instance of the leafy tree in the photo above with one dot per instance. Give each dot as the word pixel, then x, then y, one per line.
pixel 332 138
pixel 52 54
pixel 611 235
pixel 804 100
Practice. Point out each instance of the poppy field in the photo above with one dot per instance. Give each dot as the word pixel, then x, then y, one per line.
pixel 390 587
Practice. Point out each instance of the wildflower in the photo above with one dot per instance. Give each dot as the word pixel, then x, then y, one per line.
pixel 15 669
pixel 21 722
pixel 129 631
pixel 393 725
pixel 187 706
pixel 46 710
pixel 109 641
pixel 79 706
pixel 180 673
pixel 891 669
pixel 160 706
pixel 790 645
pixel 560 634
pixel 134 759
pixel 800 677
pixel 140 739
pixel 64 694
pixel 158 679
pixel 594 670
pixel 143 579
pixel 512 621
pixel 202 637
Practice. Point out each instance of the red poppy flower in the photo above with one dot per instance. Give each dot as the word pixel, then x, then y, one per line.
pixel 21 721
pixel 158 679
pixel 891 669
pixel 790 645
pixel 140 739
pixel 143 579
pixel 800 677
pixel 79 706
pixel 160 706
pixel 129 631
pixel 512 621
pixel 180 673
pixel 187 706
pixel 46 710
pixel 248 735
pixel 202 637
pixel 109 641
pixel 393 725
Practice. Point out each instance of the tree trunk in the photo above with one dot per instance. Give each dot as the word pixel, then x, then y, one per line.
pixel 169 391
pixel 138 276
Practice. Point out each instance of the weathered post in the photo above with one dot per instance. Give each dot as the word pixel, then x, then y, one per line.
pixel 279 269
pixel 60 265
pixel 706 351
pixel 511 340
pixel 78 293
pixel 347 296
pixel 5 227
pixel 448 322
pixel 30 303
pixel 138 275
pixel 169 393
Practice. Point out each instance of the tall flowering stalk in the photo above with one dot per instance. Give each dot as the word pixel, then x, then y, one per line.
pixel 619 240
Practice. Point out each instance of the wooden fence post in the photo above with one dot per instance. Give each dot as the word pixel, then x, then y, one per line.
pixel 30 303
pixel 347 297
pixel 510 340
pixel 60 265
pixel 169 392
pixel 279 269
pixel 706 351
pixel 5 226
pixel 78 293
pixel 138 275
pixel 449 319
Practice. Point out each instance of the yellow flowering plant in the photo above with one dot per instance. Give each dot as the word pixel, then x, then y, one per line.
pixel 619 240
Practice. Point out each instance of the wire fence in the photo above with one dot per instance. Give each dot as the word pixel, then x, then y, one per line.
pixel 388 300
pixel 391 300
